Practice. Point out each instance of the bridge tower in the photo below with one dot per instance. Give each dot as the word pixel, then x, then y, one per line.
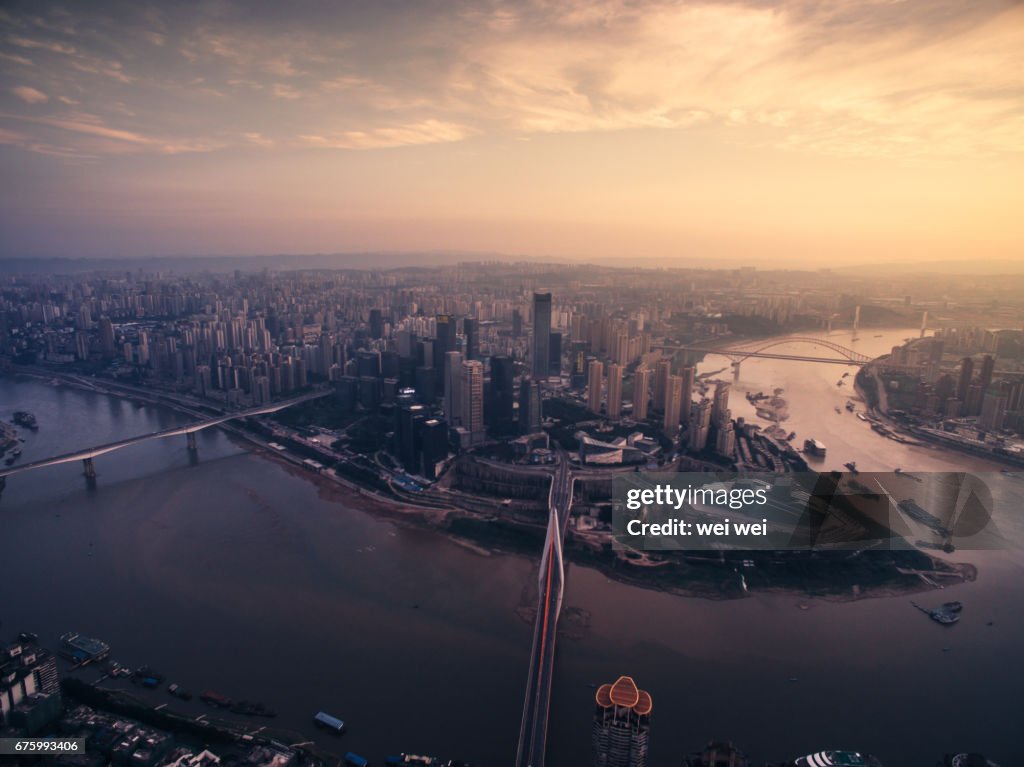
pixel 88 470
pixel 856 322
pixel 191 437
pixel 924 323
pixel 736 371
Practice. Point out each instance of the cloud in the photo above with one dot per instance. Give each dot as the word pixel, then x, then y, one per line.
pixel 912 79
pixel 29 95
pixel 48 45
pixel 425 132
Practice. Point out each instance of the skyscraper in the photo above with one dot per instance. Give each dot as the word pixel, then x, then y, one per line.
pixel 529 406
pixel 640 396
pixel 661 375
pixel 988 364
pixel 471 398
pixel 673 401
pixel 452 381
pixel 376 323
pixel 966 373
pixel 614 390
pixel 578 364
pixel 621 724
pixel 471 328
pixel 444 343
pixel 555 355
pixel 501 399
pixel 689 376
pixel 720 409
pixel 595 372
pixel 541 360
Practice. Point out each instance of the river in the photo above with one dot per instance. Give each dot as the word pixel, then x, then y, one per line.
pixel 238 574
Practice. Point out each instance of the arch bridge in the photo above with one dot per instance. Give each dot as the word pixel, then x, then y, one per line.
pixel 762 349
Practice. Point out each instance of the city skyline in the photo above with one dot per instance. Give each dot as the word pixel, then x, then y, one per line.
pixel 788 133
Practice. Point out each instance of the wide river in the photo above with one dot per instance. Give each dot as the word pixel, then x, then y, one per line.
pixel 237 574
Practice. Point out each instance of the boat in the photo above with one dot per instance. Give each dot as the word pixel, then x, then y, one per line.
pixel 850 406
pixel 833 759
pixel 178 691
pixel 852 466
pixel 814 447
pixel 838 410
pixel 9 460
pixel 332 723
pixel 947 614
pixel 355 760
pixel 215 699
pixel 862 417
pixel 26 419
pixel 82 649
pixel 846 374
pixel 16 452
pixel 148 677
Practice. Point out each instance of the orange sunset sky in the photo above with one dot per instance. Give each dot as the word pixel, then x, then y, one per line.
pixel 791 132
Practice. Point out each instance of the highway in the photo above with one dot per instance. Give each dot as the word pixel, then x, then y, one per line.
pixel 533 731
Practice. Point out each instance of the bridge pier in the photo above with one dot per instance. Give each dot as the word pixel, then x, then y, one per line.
pixel 89 470
pixel 192 446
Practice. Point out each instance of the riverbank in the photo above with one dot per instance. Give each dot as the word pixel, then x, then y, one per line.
pixel 487 534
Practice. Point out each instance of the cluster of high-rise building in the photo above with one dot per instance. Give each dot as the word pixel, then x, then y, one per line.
pixel 29 686
pixel 973 389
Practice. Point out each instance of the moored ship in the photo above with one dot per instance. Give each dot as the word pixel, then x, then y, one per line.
pixel 81 649
pixel 26 419
pixel 835 759
pixel 815 447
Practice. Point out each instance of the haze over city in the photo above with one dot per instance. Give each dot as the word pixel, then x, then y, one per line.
pixel 792 132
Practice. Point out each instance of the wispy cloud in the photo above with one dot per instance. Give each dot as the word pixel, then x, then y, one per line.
pixel 29 94
pixel 425 132
pixel 47 45
pixel 911 79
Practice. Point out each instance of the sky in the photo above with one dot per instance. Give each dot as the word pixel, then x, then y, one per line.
pixel 792 132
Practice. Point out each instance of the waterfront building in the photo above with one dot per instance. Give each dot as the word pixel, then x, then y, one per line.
pixel 993 411
pixel 29 686
pixel 621 724
pixel 725 442
pixel 717 753
pixel 720 407
pixel 672 405
pixel 689 376
pixel 700 426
